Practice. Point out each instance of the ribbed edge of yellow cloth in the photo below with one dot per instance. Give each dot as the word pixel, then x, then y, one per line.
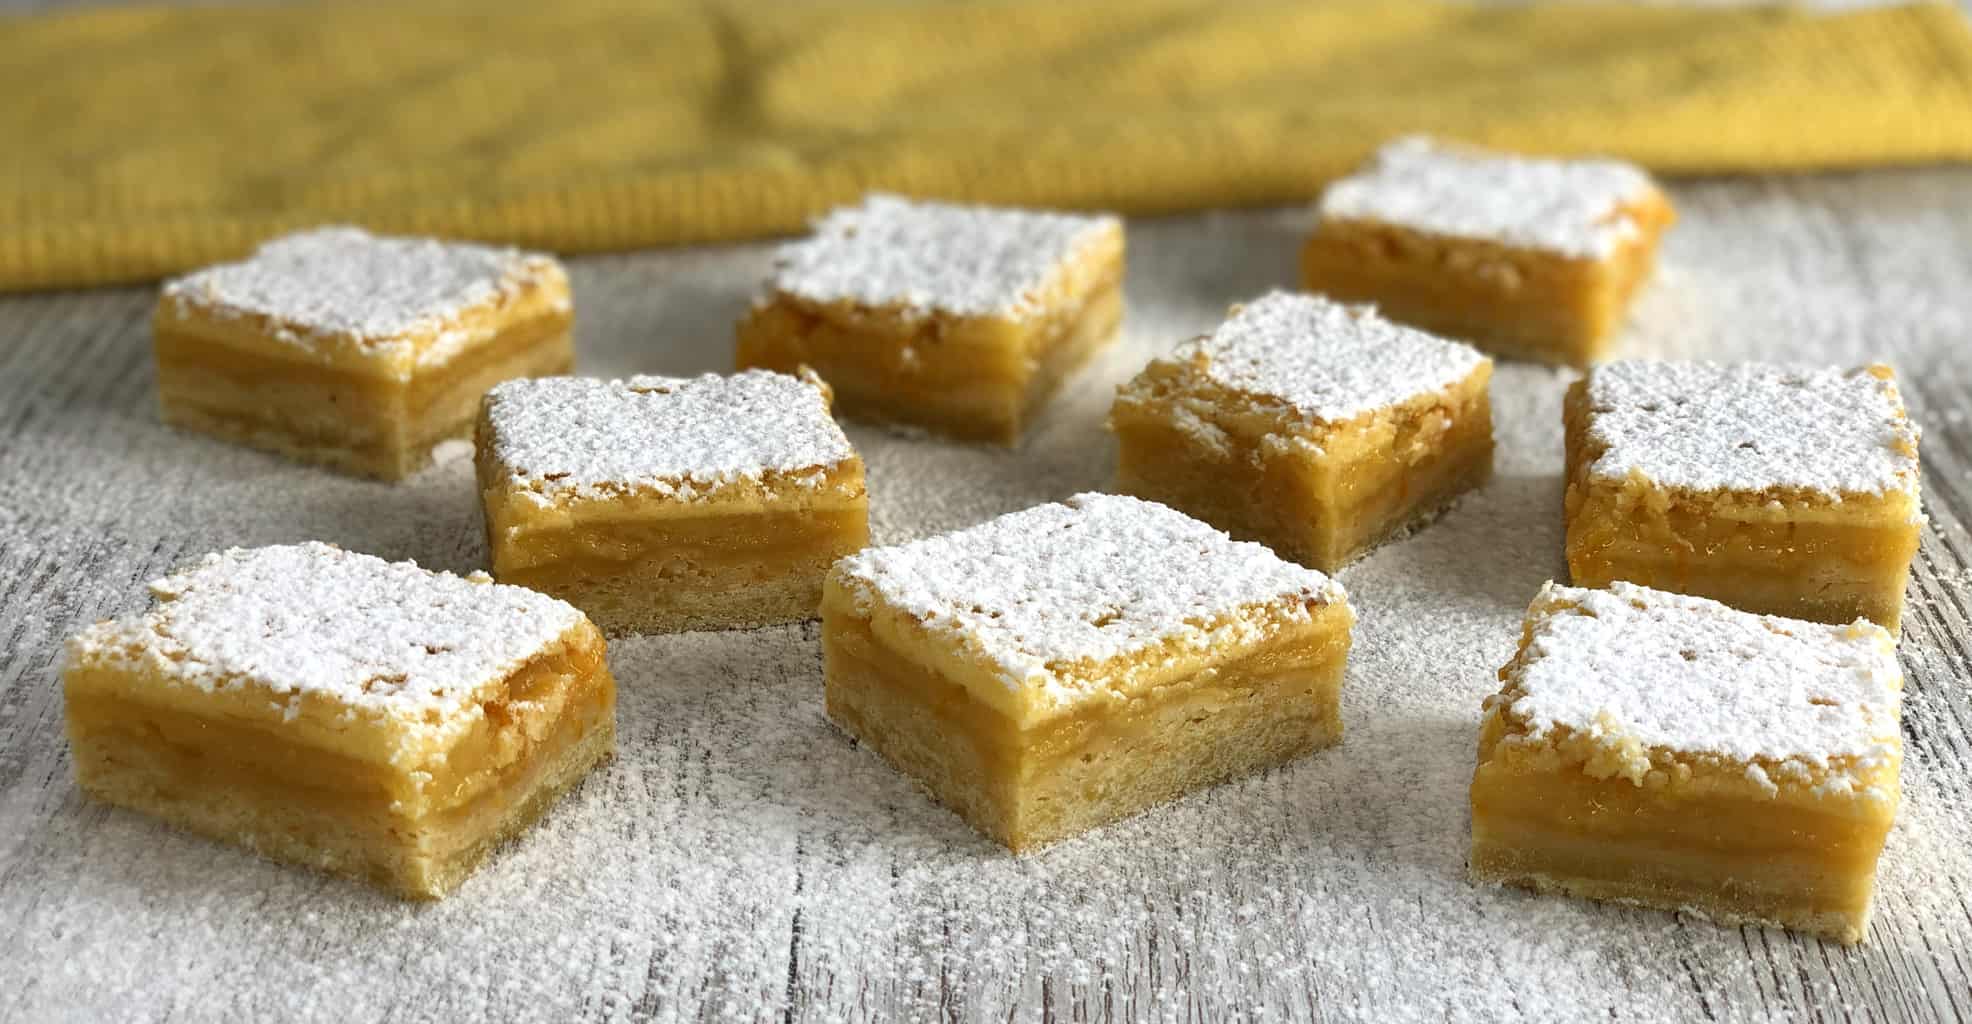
pixel 143 142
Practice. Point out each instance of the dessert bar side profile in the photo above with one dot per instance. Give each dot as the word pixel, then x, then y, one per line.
pixel 661 504
pixel 336 711
pixel 960 320
pixel 353 351
pixel 1065 666
pixel 1318 428
pixel 1529 258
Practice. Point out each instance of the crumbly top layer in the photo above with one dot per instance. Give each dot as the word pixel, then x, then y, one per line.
pixel 1751 427
pixel 1693 676
pixel 1050 593
pixel 934 257
pixel 347 282
pixel 1571 207
pixel 1328 361
pixel 315 620
pixel 681 437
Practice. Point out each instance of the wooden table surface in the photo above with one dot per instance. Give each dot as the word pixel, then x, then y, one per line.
pixel 739 860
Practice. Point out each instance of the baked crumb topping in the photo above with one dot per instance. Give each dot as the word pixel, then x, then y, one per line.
pixel 315 620
pixel 930 257
pixel 1571 207
pixel 348 283
pixel 1051 594
pixel 1328 362
pixel 1639 673
pixel 683 438
pixel 1750 427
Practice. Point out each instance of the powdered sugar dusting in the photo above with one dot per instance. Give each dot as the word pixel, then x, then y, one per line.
pixel 1051 592
pixel 934 257
pixel 314 619
pixel 1693 676
pixel 1571 207
pixel 346 282
pixel 1328 361
pixel 683 437
pixel 1751 426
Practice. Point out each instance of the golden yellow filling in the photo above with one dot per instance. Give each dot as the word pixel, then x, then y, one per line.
pixel 1520 302
pixel 754 541
pixel 1718 846
pixel 976 378
pixel 718 570
pixel 1824 572
pixel 1322 503
pixel 362 422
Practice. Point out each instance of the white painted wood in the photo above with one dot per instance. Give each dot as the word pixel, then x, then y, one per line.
pixel 740 860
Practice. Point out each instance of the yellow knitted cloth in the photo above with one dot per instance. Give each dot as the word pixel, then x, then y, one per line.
pixel 147 140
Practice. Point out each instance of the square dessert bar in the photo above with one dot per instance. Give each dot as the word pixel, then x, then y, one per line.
pixel 1062 667
pixel 958 319
pixel 1779 490
pixel 334 710
pixel 1317 428
pixel 1534 259
pixel 659 504
pixel 353 351
pixel 1670 752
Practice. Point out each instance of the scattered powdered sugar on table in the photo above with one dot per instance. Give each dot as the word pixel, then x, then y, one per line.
pixel 1747 427
pixel 684 437
pixel 1328 361
pixel 1570 207
pixel 1052 593
pixel 741 860
pixel 933 257
pixel 314 619
pixel 347 282
pixel 1690 675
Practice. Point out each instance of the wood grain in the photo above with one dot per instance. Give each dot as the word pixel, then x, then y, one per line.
pixel 827 891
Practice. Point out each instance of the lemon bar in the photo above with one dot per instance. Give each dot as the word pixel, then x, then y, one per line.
pixel 354 351
pixel 1671 752
pixel 1782 490
pixel 1071 664
pixel 661 504
pixel 961 320
pixel 1315 427
pixel 1528 258
pixel 329 709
